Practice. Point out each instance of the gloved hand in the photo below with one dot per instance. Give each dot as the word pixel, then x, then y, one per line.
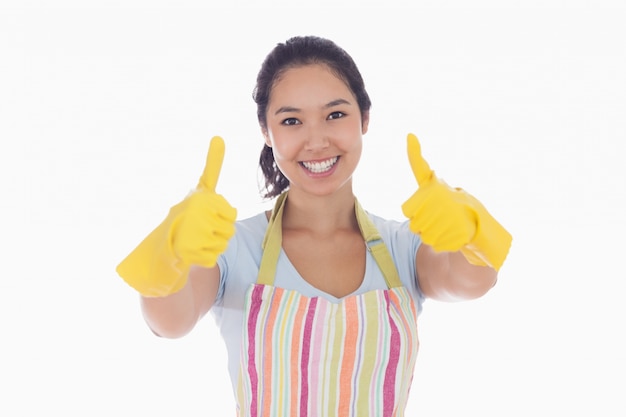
pixel 449 219
pixel 195 232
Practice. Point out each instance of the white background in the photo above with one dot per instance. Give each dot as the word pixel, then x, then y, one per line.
pixel 106 112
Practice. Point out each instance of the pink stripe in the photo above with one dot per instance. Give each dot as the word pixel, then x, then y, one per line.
pixel 269 320
pixel 362 308
pixel 397 303
pixel 380 348
pixel 306 346
pixel 390 374
pixel 316 353
pixel 255 307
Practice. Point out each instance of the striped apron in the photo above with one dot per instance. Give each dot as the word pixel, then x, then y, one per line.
pixel 306 356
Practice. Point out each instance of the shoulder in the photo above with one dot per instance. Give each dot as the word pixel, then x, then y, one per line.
pixel 242 256
pixel 391 229
pixel 254 225
pixel 249 232
pixel 399 239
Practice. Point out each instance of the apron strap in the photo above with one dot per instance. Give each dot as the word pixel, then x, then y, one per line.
pixel 377 247
pixel 272 245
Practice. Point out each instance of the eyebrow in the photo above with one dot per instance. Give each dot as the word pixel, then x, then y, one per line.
pixel 290 109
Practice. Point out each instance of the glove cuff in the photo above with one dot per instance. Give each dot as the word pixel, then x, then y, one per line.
pixel 491 243
pixel 152 268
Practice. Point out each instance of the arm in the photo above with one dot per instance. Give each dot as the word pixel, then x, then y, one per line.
pixel 448 276
pixel 463 246
pixel 176 314
pixel 175 267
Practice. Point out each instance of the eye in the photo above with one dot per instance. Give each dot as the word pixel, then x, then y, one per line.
pixel 336 115
pixel 290 121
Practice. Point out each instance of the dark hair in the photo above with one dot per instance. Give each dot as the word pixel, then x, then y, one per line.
pixel 296 52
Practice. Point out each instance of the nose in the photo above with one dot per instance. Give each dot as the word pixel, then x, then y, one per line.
pixel 317 138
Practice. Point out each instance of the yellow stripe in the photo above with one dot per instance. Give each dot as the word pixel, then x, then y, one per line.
pixel 368 353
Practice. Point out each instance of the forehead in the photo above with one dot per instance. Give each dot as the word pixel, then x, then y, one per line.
pixel 308 79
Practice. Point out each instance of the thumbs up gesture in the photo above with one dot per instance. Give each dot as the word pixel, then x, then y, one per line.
pixel 449 219
pixel 195 232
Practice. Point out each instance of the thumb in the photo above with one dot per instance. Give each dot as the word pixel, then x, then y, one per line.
pixel 214 160
pixel 421 169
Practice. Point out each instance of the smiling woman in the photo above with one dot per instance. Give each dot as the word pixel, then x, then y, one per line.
pixel 314 129
pixel 317 300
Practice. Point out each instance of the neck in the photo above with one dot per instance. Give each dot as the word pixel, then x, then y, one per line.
pixel 320 214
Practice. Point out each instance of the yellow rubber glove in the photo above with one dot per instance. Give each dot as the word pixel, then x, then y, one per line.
pixel 449 219
pixel 195 232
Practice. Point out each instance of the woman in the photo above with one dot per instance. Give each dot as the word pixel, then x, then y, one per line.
pixel 317 300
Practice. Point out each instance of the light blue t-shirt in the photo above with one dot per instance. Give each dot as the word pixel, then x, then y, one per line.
pixel 239 267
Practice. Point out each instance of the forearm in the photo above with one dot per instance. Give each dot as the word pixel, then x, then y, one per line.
pixel 171 316
pixel 467 281
pixel 448 276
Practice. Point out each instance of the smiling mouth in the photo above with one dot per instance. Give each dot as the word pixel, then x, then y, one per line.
pixel 318 167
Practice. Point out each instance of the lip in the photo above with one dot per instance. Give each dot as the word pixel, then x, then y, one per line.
pixel 320 167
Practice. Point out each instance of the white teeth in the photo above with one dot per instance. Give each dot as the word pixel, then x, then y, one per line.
pixel 321 166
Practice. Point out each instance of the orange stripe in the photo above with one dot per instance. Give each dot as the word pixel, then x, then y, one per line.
pixel 295 356
pixel 349 355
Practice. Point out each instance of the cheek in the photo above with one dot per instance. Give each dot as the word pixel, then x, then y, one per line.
pixel 284 147
pixel 357 149
pixel 351 137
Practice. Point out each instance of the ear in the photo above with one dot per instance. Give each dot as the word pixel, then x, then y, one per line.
pixel 365 122
pixel 266 136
